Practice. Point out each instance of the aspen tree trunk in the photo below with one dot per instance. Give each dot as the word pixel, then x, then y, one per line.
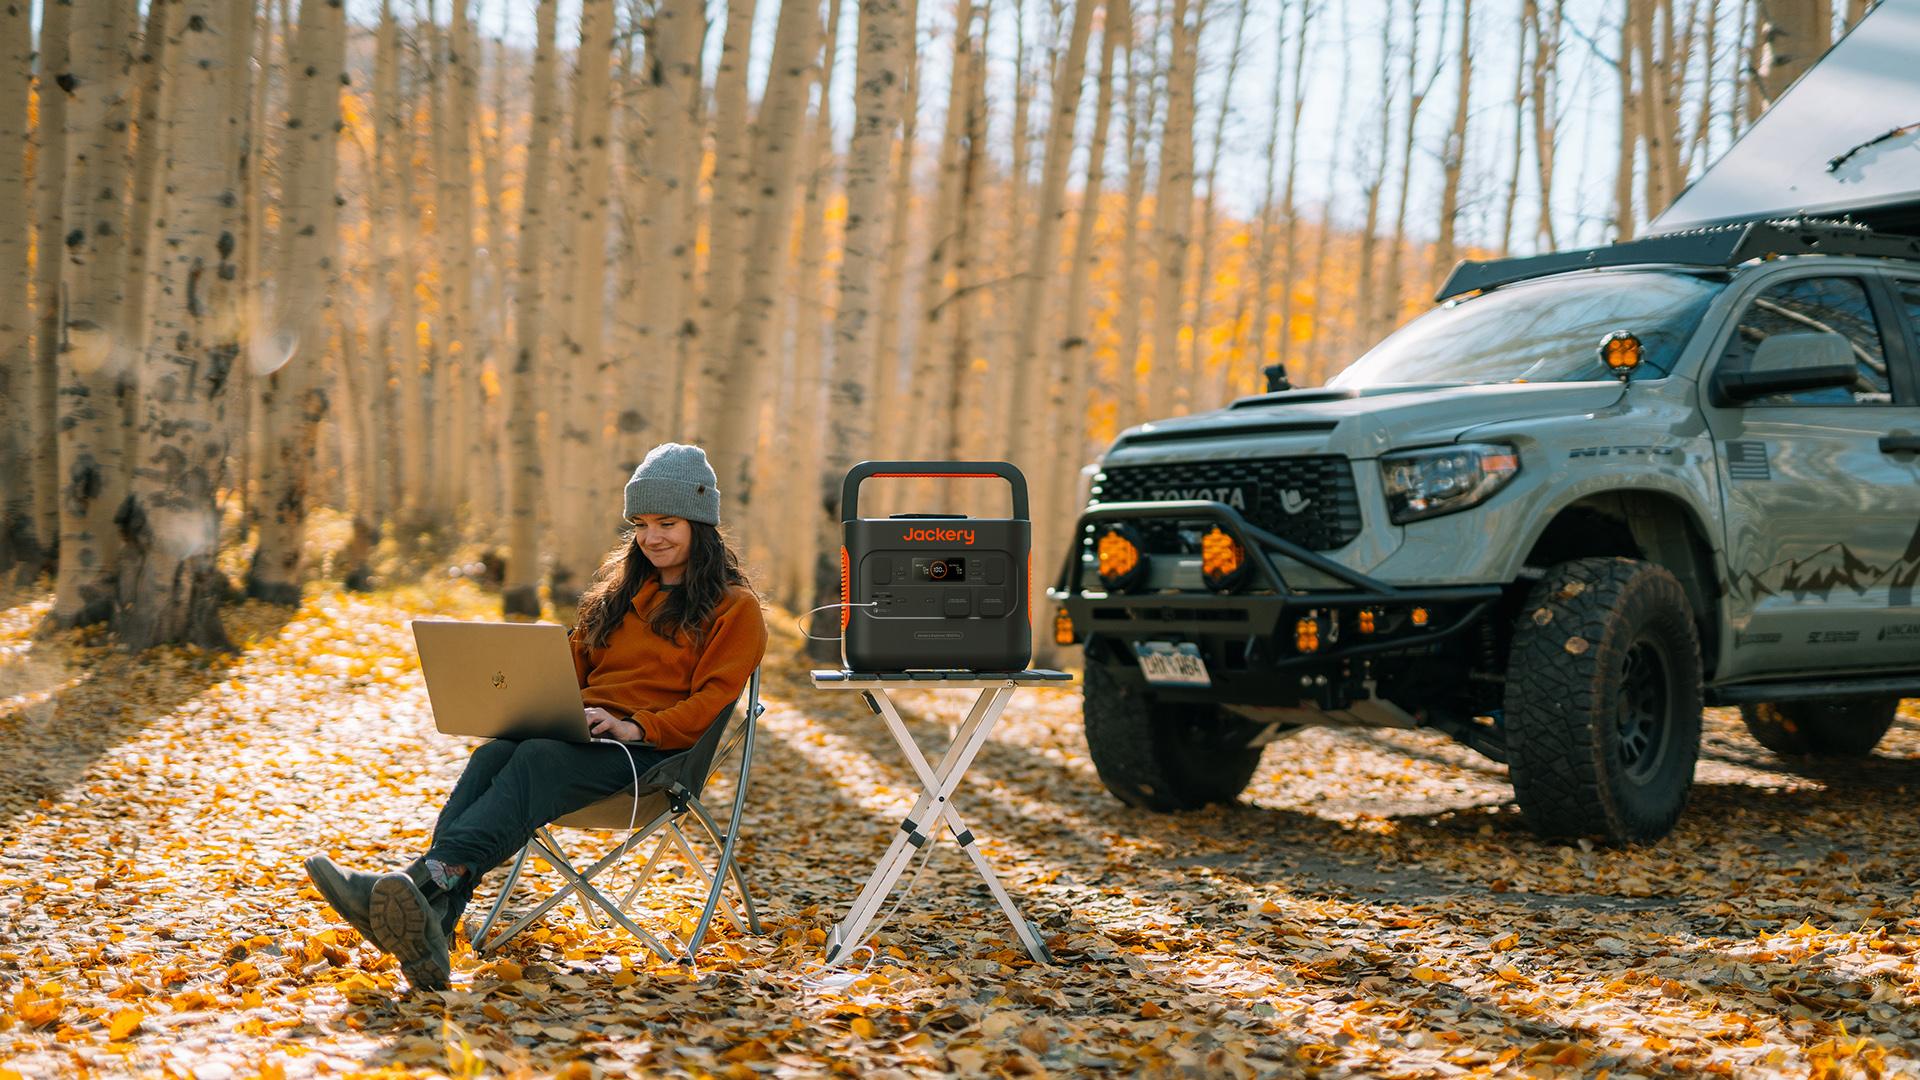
pixel 797 437
pixel 170 588
pixel 1647 102
pixel 885 36
pixel 353 424
pixel 1036 432
pixel 248 438
pixel 453 208
pixel 1789 35
pixel 584 523
pixel 728 413
pixel 1367 303
pixel 1203 280
pixel 1323 319
pixel 148 146
pixel 295 399
pixel 1546 58
pixel 997 344
pixel 1027 430
pixel 1076 340
pixel 963 299
pixel 635 376
pixel 729 215
pixel 1454 153
pixel 938 284
pixel 476 480
pixel 1510 204
pixel 17 422
pixel 1623 219
pixel 1263 223
pixel 1288 209
pixel 521 595
pixel 1700 145
pixel 1173 210
pixel 1418 89
pixel 49 237
pixel 387 327
pixel 415 374
pixel 1143 107
pixel 666 328
pixel 888 395
pixel 94 359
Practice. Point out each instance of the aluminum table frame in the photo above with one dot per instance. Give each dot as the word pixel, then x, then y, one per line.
pixel 934 804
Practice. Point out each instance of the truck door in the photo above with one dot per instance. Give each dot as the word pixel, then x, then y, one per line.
pixel 1821 504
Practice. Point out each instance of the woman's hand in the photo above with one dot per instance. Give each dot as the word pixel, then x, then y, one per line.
pixel 603 724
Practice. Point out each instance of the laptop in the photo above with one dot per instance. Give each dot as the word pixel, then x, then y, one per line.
pixel 501 680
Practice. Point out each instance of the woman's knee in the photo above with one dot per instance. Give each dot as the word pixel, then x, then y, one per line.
pixel 493 754
pixel 539 754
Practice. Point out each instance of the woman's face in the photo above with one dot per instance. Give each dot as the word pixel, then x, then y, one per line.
pixel 666 541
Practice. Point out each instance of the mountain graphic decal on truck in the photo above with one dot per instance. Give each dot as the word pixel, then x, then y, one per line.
pixel 1831 567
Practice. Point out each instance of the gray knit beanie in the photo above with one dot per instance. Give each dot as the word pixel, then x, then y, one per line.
pixel 675 479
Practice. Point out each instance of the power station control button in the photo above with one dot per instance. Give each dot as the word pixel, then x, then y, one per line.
pixel 996 570
pixel 992 604
pixel 958 605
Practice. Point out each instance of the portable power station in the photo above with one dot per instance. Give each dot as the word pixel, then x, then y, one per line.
pixel 939 591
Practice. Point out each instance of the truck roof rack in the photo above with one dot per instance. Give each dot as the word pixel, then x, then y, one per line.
pixel 1715 246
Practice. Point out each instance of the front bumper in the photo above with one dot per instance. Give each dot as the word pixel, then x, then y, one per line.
pixel 1249 637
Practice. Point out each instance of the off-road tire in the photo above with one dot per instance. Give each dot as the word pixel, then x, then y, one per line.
pixel 1585 757
pixel 1846 727
pixel 1161 755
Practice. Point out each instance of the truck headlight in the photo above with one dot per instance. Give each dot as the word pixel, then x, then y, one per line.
pixel 1428 483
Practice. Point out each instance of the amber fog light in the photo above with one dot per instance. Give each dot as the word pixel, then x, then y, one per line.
pixel 1420 616
pixel 1306 635
pixel 1223 564
pixel 1062 627
pixel 1122 564
pixel 1366 620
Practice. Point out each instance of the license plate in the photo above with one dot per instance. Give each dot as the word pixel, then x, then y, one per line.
pixel 1172 663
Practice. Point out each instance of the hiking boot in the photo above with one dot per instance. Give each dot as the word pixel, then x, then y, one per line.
pixel 348 892
pixel 405 924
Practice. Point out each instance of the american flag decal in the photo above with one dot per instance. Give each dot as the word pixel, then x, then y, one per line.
pixel 1747 460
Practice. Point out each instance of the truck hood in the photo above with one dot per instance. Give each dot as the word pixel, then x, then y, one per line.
pixel 1356 423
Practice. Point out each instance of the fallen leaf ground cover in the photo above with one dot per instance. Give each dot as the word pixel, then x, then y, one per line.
pixel 1373 906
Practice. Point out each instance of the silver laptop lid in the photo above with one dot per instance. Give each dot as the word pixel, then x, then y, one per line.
pixel 500 680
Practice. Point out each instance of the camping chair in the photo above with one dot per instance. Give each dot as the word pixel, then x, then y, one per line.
pixel 668 792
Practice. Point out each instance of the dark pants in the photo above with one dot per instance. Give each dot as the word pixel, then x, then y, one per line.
pixel 512 787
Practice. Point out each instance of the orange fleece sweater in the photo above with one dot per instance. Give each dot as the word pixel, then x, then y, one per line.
pixel 673 691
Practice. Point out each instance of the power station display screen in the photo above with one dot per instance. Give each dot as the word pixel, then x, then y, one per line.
pixel 942 570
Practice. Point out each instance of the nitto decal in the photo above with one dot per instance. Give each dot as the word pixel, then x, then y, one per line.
pixel 1833 637
pixel 1747 460
pixel 1817 575
pixel 1624 451
pixel 1743 638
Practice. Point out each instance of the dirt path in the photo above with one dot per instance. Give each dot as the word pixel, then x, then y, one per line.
pixel 1373 907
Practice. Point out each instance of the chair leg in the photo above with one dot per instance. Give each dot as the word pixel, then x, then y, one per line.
pixel 560 894
pixel 582 887
pixel 480 943
pixel 693 860
pixel 646 872
pixel 725 843
pixel 554 849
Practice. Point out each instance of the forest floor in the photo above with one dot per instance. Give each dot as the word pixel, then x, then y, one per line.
pixel 1372 907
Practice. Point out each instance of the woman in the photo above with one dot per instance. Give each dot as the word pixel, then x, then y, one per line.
pixel 668 633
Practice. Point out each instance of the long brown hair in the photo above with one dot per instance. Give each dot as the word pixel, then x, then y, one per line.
pixel 712 567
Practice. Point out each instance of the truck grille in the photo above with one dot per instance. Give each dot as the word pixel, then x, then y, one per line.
pixel 1308 500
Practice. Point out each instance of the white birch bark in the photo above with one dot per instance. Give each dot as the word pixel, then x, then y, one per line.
pixel 170 587
pixel 17 421
pixel 728 414
pixel 521 595
pixel 937 284
pixel 889 393
pixel 1143 107
pixel 295 397
pixel 1173 212
pixel 729 215
pixel 49 234
pixel 667 333
pixel 148 146
pixel 95 360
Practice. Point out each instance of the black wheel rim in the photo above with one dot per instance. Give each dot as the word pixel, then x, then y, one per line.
pixel 1645 717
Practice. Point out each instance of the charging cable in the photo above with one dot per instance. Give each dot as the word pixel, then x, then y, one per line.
pixel 634 815
pixel 799 622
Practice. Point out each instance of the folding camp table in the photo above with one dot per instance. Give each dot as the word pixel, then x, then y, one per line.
pixel 937 784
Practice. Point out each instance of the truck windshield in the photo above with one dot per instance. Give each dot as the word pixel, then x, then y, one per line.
pixel 1541 331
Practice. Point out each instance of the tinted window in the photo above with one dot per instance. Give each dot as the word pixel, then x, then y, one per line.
pixel 1541 331
pixel 1815 305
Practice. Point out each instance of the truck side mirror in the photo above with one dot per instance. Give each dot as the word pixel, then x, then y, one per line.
pixel 1276 378
pixel 1789 364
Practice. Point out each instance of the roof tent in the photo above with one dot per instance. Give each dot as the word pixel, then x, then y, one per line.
pixel 1843 140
